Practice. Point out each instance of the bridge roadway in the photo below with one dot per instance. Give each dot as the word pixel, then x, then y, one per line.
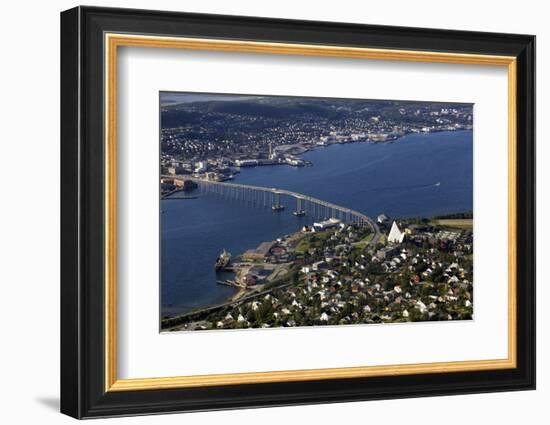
pixel 317 206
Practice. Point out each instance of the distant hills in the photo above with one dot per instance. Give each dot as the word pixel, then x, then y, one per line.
pixel 275 107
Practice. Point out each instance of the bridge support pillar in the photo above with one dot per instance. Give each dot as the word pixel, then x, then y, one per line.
pixel 299 210
pixel 277 206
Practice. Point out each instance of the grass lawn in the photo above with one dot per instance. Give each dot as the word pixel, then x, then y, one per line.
pixel 363 242
pixel 310 241
pixel 459 223
pixel 303 246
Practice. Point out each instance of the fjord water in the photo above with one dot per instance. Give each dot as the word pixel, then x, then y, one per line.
pixel 417 175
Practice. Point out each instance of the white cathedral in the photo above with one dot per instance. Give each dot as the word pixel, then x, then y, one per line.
pixel 395 236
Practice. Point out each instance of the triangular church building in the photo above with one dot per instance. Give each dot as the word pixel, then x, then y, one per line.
pixel 395 236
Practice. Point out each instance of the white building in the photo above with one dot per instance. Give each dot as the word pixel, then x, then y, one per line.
pixel 246 162
pixel 382 218
pixel 327 224
pixel 395 236
pixel 201 167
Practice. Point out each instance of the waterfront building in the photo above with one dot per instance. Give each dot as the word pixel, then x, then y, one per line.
pixel 188 185
pixel 246 162
pixel 327 224
pixel 175 170
pixel 258 254
pixel 382 218
pixel 178 183
pixel 201 167
pixel 294 161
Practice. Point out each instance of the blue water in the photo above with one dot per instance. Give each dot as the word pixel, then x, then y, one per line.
pixel 398 179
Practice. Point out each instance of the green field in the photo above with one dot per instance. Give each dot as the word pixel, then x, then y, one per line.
pixel 364 242
pixel 458 223
pixel 311 241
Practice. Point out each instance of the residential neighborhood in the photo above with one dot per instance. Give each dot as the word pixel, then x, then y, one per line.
pixel 330 274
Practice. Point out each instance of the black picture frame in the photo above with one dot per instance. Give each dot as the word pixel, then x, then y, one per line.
pixel 83 392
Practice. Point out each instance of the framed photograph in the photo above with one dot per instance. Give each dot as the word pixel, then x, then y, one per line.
pixel 261 212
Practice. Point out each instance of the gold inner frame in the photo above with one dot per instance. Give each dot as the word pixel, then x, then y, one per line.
pixel 113 41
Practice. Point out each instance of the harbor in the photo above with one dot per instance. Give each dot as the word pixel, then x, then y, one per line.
pixel 195 232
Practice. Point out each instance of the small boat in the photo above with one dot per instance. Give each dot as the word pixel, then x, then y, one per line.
pixel 438 184
pixel 223 260
pixel 278 207
pixel 299 213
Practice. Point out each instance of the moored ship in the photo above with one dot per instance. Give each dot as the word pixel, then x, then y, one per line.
pixel 223 260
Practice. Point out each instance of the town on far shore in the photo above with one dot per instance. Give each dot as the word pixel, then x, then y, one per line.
pixel 332 273
pixel 214 139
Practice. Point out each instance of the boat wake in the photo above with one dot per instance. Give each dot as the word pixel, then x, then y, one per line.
pixel 403 188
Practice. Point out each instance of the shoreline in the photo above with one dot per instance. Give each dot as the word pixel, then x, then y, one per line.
pixel 238 293
pixel 383 142
pixel 310 148
pixel 242 293
pixel 460 221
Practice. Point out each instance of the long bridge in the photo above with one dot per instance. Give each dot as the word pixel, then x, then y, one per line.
pixel 271 197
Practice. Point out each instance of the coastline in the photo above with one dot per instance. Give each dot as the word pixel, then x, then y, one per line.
pixel 281 176
pixel 454 221
pixel 451 218
pixel 307 147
